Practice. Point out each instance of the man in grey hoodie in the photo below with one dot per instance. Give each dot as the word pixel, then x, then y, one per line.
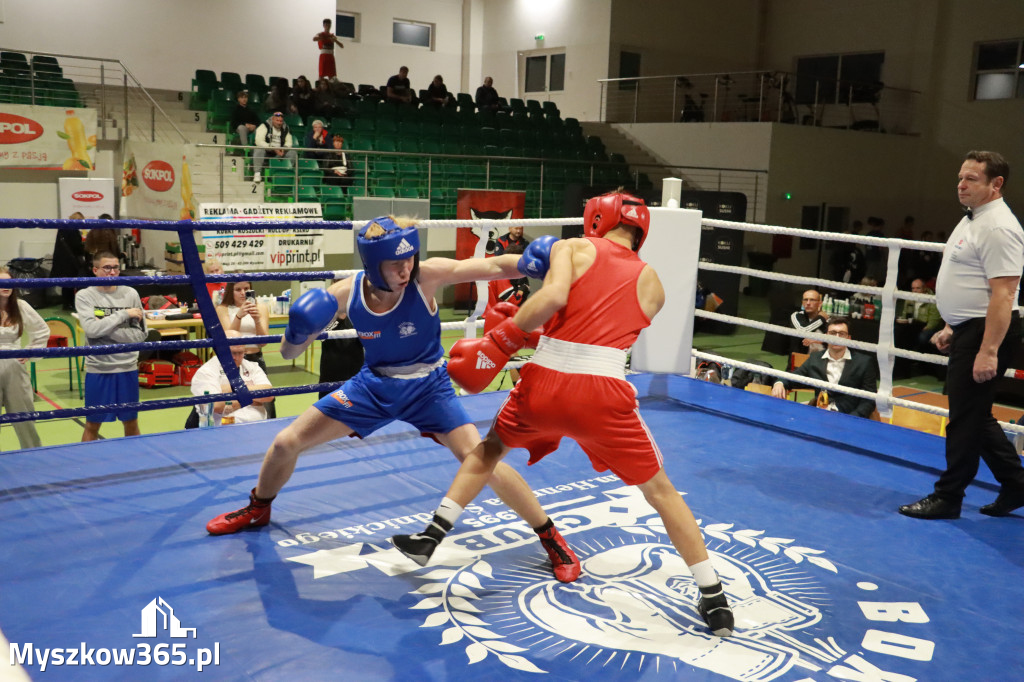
pixel 110 314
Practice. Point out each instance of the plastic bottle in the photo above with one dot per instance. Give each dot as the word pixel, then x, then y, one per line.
pixel 205 411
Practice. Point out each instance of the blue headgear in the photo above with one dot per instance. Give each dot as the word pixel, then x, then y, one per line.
pixel 396 243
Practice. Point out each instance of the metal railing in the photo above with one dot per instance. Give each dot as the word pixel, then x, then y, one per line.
pixel 126 109
pixel 759 96
pixel 222 173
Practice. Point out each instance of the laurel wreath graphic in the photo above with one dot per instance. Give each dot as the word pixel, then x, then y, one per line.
pixel 452 590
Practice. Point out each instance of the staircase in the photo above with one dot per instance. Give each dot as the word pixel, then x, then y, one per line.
pixel 640 160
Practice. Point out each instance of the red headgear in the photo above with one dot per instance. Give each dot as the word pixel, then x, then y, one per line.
pixel 608 211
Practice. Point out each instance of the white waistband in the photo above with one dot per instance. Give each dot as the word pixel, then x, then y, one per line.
pixel 580 358
pixel 327 50
pixel 417 371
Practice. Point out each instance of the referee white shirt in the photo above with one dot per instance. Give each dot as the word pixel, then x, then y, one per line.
pixel 989 245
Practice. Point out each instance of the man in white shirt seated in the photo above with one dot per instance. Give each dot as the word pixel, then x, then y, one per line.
pixel 211 378
pixel 838 365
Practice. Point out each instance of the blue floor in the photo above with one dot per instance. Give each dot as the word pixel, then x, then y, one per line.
pixel 106 540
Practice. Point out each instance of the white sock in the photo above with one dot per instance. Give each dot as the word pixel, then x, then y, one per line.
pixel 704 573
pixel 449 510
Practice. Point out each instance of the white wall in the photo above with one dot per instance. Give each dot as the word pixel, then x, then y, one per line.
pixel 579 26
pixel 163 43
pixel 744 146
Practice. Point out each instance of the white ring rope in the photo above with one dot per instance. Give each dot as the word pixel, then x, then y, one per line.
pixel 885 242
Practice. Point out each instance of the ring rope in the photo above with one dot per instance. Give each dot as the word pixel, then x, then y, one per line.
pixel 885 397
pixel 885 242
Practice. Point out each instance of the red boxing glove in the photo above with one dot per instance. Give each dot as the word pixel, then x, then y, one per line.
pixel 504 310
pixel 475 362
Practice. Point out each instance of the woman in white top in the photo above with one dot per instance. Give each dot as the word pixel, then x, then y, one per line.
pixel 16 318
pixel 241 313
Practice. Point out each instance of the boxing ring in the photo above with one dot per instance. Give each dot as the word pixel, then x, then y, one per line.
pixel 106 557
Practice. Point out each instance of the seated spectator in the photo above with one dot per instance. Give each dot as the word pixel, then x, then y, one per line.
pixel 864 297
pixel 808 319
pixel 437 93
pixel 279 98
pixel 302 98
pixel 317 138
pixel 487 98
pixel 212 266
pixel 335 163
pixel 212 379
pixel 274 135
pixel 838 365
pixel 243 119
pixel 325 100
pixel 917 321
pixel 399 91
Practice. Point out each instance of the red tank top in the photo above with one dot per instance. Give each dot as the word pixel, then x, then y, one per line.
pixel 603 309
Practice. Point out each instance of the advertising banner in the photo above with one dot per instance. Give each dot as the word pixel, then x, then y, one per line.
pixel 477 204
pixel 251 250
pixel 155 182
pixel 47 138
pixel 90 197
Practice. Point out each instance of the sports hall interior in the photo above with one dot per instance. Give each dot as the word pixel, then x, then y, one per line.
pixel 817 114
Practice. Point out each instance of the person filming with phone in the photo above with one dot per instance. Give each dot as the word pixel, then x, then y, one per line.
pixel 240 311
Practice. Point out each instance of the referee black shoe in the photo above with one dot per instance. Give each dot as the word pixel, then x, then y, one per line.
pixel 1005 503
pixel 933 506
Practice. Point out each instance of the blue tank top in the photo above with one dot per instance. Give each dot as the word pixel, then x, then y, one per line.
pixel 407 334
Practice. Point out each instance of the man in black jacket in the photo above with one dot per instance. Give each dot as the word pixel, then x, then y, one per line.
pixel 243 119
pixel 838 365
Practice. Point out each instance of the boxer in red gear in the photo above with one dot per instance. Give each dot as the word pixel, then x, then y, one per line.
pixel 597 297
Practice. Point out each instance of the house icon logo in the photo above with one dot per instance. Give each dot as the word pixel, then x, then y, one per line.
pixel 159 615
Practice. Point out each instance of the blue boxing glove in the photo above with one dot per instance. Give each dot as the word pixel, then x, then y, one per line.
pixel 536 258
pixel 310 314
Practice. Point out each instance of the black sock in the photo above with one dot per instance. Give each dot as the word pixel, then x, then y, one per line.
pixel 437 529
pixel 548 525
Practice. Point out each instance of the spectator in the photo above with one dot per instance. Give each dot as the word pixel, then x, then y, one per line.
pixel 838 365
pixel 16 319
pixel 240 312
pixel 110 314
pixel 326 41
pixel 102 239
pixel 212 266
pixel 977 292
pixel 302 98
pixel 437 92
pixel 274 135
pixel 808 319
pixel 926 265
pixel 325 100
pixel 487 98
pixel 921 319
pixel 243 119
pixel 875 256
pixel 847 258
pixel 316 139
pixel 212 378
pixel 513 236
pixel 335 163
pixel 399 91
pixel 279 97
pixel 69 259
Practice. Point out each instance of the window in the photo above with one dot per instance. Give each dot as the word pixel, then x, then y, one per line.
pixel 629 67
pixel 345 25
pixel 839 79
pixel 545 73
pixel 999 70
pixel 411 33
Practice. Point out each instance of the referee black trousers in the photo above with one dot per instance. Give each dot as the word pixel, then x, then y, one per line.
pixel 973 433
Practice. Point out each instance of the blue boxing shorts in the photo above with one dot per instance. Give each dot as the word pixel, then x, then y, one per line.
pixel 109 389
pixel 368 401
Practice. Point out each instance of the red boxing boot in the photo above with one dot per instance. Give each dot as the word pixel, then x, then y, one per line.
pixel 564 563
pixel 253 515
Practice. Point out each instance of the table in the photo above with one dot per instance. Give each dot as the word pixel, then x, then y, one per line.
pixel 916 395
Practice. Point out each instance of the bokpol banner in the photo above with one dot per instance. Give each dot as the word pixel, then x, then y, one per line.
pixel 92 197
pixel 249 250
pixel 47 138
pixel 477 204
pixel 155 182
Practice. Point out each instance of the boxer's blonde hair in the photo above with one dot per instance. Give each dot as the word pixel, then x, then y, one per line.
pixel 375 230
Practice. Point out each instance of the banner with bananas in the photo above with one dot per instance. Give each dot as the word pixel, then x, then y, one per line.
pixel 47 138
pixel 156 182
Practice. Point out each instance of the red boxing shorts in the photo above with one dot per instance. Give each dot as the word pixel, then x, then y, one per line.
pixel 607 424
pixel 327 68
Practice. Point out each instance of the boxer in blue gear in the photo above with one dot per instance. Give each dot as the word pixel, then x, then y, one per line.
pixel 392 306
